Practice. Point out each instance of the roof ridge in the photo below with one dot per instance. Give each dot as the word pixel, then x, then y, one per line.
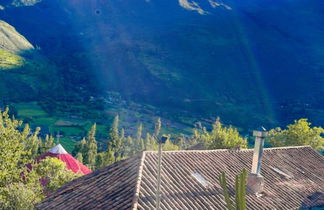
pixel 288 147
pixel 138 183
pixel 223 150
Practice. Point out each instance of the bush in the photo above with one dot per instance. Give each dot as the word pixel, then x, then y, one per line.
pixel 297 134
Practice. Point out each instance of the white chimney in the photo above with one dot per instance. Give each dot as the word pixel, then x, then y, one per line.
pixel 255 180
pixel 258 151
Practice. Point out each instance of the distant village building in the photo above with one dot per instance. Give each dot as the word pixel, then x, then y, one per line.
pixel 293 178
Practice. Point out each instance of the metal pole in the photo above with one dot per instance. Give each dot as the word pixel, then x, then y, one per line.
pixel 158 191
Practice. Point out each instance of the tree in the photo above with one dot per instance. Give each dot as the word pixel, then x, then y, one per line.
pixel 150 142
pixel 13 149
pixel 81 147
pixel 91 147
pixel 33 142
pixel 168 146
pixel 20 187
pixel 79 157
pixel 299 133
pixel 157 127
pixel 100 160
pixel 221 137
pixel 139 142
pixel 109 157
pixel 180 140
pixel 53 173
pixel 115 140
pixel 122 134
pixel 20 196
pixel 128 146
pixel 48 144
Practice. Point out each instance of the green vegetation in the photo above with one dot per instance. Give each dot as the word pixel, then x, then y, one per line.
pixel 30 110
pixel 20 187
pixel 71 128
pixel 299 133
pixel 19 147
pixel 118 146
pixel 91 147
pixel 53 170
pixel 9 60
pixel 115 140
pixel 240 191
pixel 48 144
pixel 219 137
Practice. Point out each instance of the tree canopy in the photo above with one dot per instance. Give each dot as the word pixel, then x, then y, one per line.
pixel 220 137
pixel 20 187
pixel 298 133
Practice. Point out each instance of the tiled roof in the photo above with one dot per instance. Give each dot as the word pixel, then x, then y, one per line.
pixel 292 175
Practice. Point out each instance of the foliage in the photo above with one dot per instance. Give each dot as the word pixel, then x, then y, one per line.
pixel 220 137
pixel 33 142
pixel 168 146
pixel 157 127
pixel 53 173
pixel 47 144
pixel 139 141
pixel 20 196
pixel 13 153
pixel 79 157
pixel 181 141
pixel 128 146
pixel 92 147
pixel 81 149
pixel 100 160
pixel 115 140
pixel 299 133
pixel 109 157
pixel 119 146
pixel 240 191
pixel 20 188
pixel 150 142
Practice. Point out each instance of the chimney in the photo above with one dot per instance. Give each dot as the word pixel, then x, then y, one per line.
pixel 255 180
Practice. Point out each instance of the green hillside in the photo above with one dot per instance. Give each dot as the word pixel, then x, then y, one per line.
pixel 247 63
pixel 9 60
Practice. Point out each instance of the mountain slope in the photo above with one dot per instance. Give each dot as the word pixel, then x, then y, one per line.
pixel 251 62
pixel 12 44
pixel 11 40
pixel 30 72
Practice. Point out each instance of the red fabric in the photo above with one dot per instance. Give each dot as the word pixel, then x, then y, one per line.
pixel 71 163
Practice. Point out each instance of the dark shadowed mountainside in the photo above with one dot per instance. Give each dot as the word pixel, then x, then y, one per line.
pixel 249 62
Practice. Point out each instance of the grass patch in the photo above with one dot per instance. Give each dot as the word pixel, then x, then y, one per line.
pixel 67 143
pixel 68 131
pixel 31 109
pixel 9 60
pixel 47 121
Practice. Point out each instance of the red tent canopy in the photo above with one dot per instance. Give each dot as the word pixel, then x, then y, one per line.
pixel 71 163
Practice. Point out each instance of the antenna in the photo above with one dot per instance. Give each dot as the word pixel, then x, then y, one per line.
pixel 161 141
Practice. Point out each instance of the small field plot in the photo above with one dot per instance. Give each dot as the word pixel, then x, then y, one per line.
pixel 30 109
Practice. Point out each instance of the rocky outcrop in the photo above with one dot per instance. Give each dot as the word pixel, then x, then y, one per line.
pixel 11 40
